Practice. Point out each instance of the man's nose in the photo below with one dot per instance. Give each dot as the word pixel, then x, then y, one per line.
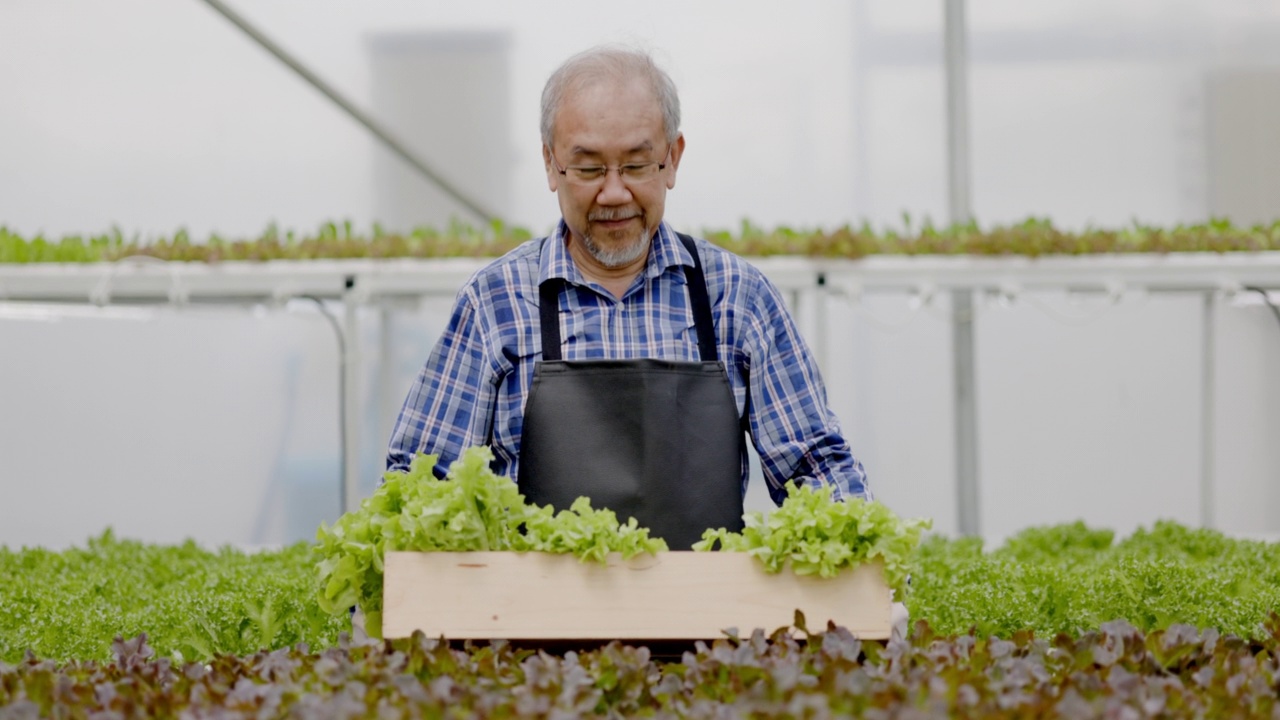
pixel 614 191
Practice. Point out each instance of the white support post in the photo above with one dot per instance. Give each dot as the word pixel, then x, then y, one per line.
pixel 389 395
pixel 966 413
pixel 822 345
pixel 960 205
pixel 351 398
pixel 957 73
pixel 1207 369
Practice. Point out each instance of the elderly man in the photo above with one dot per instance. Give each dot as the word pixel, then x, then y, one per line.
pixel 616 358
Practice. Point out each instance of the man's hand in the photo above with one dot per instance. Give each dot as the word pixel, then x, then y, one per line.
pixel 899 621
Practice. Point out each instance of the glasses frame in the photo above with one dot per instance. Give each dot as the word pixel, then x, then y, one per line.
pixel 578 182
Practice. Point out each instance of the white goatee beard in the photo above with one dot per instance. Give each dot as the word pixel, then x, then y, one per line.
pixel 617 256
pixel 620 256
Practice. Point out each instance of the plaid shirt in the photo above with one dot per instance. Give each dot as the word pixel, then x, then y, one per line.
pixel 473 387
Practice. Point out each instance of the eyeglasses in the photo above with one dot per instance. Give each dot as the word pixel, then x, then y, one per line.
pixel 629 173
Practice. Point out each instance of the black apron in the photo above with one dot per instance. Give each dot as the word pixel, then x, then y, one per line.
pixel 657 440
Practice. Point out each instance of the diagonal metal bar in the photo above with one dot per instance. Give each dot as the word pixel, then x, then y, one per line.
pixel 356 113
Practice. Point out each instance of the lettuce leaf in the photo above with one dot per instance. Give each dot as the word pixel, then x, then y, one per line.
pixel 815 534
pixel 472 509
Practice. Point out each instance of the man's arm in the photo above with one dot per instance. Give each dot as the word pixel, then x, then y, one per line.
pixel 450 406
pixel 796 435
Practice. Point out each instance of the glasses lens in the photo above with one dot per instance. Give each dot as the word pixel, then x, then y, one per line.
pixel 593 174
pixel 640 172
pixel 585 175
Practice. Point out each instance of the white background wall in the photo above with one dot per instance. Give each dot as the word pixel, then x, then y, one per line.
pixel 221 425
pixel 152 114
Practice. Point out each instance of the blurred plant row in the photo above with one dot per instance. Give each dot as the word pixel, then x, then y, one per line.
pixel 1033 237
pixel 1116 672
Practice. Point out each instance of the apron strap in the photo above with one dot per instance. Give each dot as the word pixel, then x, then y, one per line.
pixel 700 302
pixel 549 316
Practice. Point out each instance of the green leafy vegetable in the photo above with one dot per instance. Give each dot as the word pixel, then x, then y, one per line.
pixel 1071 578
pixel 196 603
pixel 1032 237
pixel 818 535
pixel 192 602
pixel 471 509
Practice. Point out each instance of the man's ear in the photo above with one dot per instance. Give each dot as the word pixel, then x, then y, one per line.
pixel 677 150
pixel 553 177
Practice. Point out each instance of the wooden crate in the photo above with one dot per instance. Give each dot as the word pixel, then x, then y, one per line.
pixel 676 595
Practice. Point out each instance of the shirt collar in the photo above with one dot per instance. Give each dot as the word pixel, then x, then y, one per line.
pixel 665 252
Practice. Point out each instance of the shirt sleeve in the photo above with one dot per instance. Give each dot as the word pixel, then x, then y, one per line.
pixel 795 433
pixel 450 405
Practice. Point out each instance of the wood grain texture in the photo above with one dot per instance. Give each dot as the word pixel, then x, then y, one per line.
pixel 676 595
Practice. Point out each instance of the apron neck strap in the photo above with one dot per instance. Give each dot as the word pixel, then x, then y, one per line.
pixel 700 302
pixel 549 315
pixel 549 309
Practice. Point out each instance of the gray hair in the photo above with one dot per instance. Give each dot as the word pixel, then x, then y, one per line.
pixel 609 63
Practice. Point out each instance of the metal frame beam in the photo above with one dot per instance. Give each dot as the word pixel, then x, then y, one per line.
pixel 364 119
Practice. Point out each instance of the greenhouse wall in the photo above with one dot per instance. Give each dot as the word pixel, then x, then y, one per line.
pixel 222 424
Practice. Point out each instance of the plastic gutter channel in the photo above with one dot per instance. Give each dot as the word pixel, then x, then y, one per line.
pixel 129 281
pixel 803 280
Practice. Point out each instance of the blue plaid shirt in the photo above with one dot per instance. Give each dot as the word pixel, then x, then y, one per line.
pixel 473 387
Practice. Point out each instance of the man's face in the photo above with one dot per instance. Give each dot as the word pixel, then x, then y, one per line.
pixel 611 124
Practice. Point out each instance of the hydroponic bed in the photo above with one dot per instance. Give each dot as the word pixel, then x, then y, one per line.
pixel 232 634
pixel 1061 620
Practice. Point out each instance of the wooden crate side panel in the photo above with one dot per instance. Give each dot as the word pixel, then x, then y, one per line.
pixel 676 595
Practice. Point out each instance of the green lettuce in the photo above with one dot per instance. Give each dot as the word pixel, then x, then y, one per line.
pixel 815 534
pixel 472 509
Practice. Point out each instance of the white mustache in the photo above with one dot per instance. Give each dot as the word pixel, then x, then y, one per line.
pixel 610 215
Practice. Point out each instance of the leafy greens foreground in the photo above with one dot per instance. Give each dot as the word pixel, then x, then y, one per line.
pixel 814 534
pixel 199 603
pixel 472 508
pixel 475 509
pixel 1060 621
pixel 1072 578
pixel 191 602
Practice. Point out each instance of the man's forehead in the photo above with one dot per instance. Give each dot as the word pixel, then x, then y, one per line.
pixel 591 149
pixel 605 108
